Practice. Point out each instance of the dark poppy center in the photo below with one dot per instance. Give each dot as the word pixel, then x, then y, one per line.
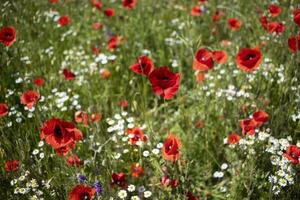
pixel 84 196
pixel 8 34
pixel 165 78
pixel 57 131
pixel 250 56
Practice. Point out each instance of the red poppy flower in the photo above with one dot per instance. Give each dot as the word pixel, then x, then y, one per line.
pixel 220 56
pixel 8 35
pixel 217 16
pixel 61 135
pixel 109 12
pixel 276 27
pixel 249 59
pixel 296 14
pixel 73 161
pixel 294 43
pixel 129 4
pixel 105 73
pixel 80 192
pixel 203 60
pixel 248 126
pixel 260 117
pixel 274 10
pixel 69 75
pixel 64 20
pixel 29 98
pixel 168 182
pixel 113 42
pixel 135 135
pixel 3 109
pixel 53 1
pixel 234 24
pixel 39 82
pixel 196 11
pixel 119 179
pixel 143 66
pixel 293 154
pixel 12 165
pixel 96 50
pixel 233 138
pixel 171 148
pixel 164 82
pixel 190 196
pixel 95 117
pixel 264 21
pixel 123 103
pixel 136 170
pixel 81 117
pixel 97 4
pixel 97 25
pixel 200 77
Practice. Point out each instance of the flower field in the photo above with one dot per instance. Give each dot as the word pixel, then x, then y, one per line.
pixel 149 99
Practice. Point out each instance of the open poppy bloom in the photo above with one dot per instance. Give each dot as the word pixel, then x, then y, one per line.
pixel 274 10
pixel 81 117
pixel 109 12
pixel 293 154
pixel 217 16
pixel 39 82
pixel 64 20
pixel 105 73
pixel 113 42
pixel 80 192
pixel 233 138
pixel 248 126
pixel 8 35
pixel 203 60
pixel 196 11
pixel 294 43
pixel 97 4
pixel 12 165
pixel 234 24
pixel 220 56
pixel 97 25
pixel 29 98
pixel 249 59
pixel 260 117
pixel 53 1
pixel 73 161
pixel 143 66
pixel 3 109
pixel 136 135
pixel 168 182
pixel 61 135
pixel 164 82
pixel 171 148
pixel 119 179
pixel 136 170
pixel 69 75
pixel 129 4
pixel 276 27
pixel 296 14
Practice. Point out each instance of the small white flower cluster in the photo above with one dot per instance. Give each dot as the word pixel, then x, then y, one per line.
pixel 64 101
pixel 119 123
pixel 26 60
pixel 38 153
pixel 296 116
pixel 122 194
pixel 31 185
pixel 284 174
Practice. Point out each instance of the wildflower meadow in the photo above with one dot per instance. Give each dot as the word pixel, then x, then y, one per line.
pixel 149 100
